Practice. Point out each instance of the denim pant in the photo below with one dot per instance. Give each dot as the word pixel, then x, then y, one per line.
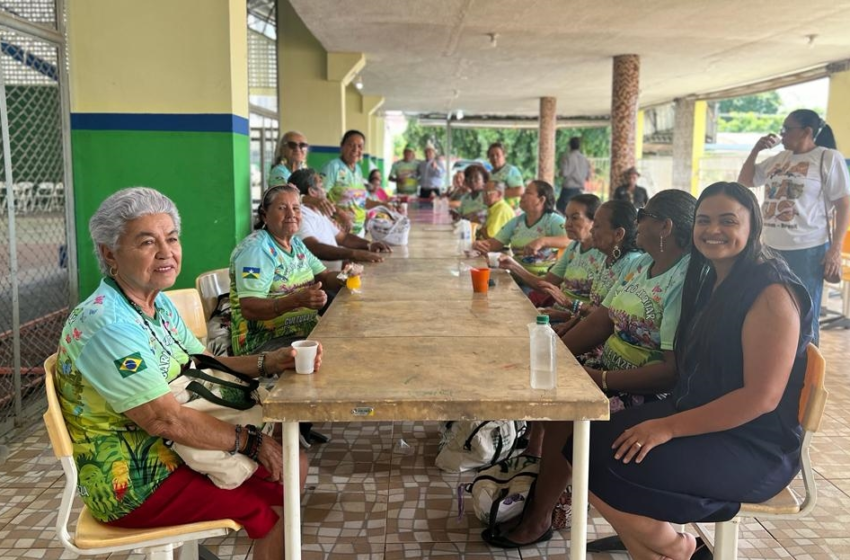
pixel 807 264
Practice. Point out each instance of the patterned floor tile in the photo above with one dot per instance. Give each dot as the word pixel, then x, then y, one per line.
pixel 42 554
pixel 14 501
pixel 818 548
pixel 329 516
pixel 428 514
pixel 326 475
pixel 830 518
pixel 831 456
pixel 343 550
pixel 447 551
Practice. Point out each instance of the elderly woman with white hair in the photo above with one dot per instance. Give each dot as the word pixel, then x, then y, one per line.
pixel 119 350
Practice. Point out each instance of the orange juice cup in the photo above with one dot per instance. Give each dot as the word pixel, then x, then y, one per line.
pixel 353 282
pixel 480 279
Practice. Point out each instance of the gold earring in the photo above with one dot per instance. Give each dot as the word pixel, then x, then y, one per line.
pixel 113 270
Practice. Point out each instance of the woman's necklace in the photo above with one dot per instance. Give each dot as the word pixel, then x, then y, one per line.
pixel 146 324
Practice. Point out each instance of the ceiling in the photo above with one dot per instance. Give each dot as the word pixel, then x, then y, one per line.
pixel 435 56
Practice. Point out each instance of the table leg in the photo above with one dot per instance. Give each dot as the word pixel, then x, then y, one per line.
pixel 291 483
pixel 581 466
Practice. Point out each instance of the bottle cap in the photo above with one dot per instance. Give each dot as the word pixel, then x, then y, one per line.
pixel 542 319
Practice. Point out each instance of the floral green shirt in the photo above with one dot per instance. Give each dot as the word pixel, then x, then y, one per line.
pixel 346 190
pixel 112 359
pixel 577 269
pixel 260 268
pixel 517 234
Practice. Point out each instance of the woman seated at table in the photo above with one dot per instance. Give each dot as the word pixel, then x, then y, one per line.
pixel 537 234
pixel 119 350
pixel 322 237
pixel 732 418
pixel 614 235
pixel 636 324
pixel 374 188
pixel 570 279
pixel 276 284
pixel 473 207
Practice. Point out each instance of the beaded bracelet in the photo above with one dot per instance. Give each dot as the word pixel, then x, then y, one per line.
pixel 236 445
pixel 576 306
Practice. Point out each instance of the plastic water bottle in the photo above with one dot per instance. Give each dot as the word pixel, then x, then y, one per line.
pixel 464 233
pixel 543 375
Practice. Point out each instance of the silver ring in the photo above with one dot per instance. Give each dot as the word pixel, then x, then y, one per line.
pixel 639 444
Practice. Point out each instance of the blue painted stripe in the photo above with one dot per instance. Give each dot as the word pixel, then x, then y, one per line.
pixel 165 122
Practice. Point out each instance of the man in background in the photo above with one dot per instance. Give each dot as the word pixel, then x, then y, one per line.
pixel 575 172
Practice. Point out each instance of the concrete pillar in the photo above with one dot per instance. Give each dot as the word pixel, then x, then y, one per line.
pixel 625 90
pixel 688 143
pixel 838 109
pixel 369 105
pixel 149 107
pixel 546 139
pixel 312 85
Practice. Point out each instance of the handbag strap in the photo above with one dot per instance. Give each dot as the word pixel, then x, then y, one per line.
pixel 208 395
pixel 202 361
pixel 823 178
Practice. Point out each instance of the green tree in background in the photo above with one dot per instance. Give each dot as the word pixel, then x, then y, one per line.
pixel 767 103
pixel 751 113
pixel 520 144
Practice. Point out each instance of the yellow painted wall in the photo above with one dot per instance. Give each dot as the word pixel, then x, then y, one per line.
pixel 838 110
pixel 354 116
pixel 379 134
pixel 698 149
pixel 639 135
pixel 196 49
pixel 307 100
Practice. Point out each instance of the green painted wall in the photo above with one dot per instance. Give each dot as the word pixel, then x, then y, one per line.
pixel 205 174
pixel 317 160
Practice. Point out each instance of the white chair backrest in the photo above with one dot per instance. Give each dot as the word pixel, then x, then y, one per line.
pixel 211 285
pixel 188 304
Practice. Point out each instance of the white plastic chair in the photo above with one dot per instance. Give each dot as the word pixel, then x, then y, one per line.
pixel 787 504
pixel 211 285
pixel 95 538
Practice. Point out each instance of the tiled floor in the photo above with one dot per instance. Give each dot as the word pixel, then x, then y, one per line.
pixel 369 497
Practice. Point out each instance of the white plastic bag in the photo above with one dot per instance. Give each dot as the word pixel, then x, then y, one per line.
pixel 388 226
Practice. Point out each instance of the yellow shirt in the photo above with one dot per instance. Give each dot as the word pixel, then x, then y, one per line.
pixel 497 216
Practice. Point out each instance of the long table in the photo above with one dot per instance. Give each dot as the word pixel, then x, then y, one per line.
pixel 417 344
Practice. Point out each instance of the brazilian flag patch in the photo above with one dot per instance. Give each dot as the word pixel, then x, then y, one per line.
pixel 250 273
pixel 130 365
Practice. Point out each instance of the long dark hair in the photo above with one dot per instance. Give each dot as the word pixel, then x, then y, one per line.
pixel 694 334
pixel 545 190
pixel 624 215
pixel 821 132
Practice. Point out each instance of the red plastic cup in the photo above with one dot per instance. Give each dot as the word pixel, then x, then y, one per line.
pixel 480 280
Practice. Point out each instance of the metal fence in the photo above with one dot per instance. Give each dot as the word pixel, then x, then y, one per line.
pixel 36 283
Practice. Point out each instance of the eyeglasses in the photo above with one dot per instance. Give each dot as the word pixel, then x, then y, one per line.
pixel 784 130
pixel 641 214
pixel 296 145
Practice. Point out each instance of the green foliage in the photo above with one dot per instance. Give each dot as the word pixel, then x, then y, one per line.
pixel 767 103
pixel 520 144
pixel 750 122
